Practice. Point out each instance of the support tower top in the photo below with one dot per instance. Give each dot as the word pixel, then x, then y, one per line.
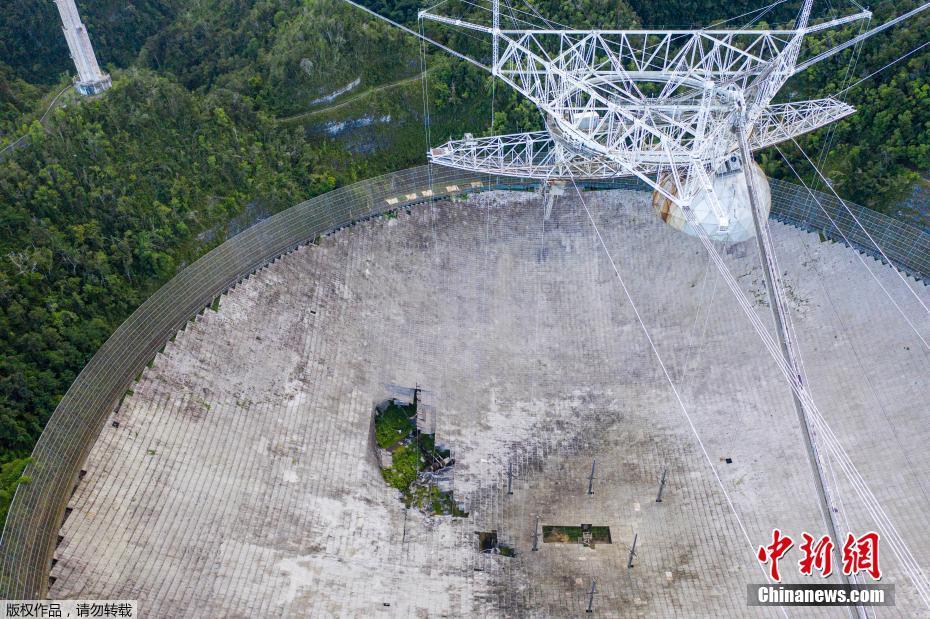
pixel 89 80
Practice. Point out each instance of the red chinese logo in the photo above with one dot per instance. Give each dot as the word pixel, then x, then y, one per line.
pixel 774 551
pixel 861 555
pixel 817 555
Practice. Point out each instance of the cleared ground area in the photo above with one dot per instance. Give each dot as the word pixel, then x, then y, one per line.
pixel 239 476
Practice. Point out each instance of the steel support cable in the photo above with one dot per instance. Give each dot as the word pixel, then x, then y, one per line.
pixel 546 21
pixel 513 17
pixel 855 40
pixel 850 67
pixel 861 227
pixel 889 532
pixel 764 9
pixel 834 311
pixel 426 117
pixel 433 7
pixel 848 242
pixel 821 459
pixel 418 35
pixel 758 17
pixel 900 549
pixel 871 503
pixel 669 380
pixel 892 537
pixel 534 13
pixel 845 332
pixel 790 350
pixel 874 73
pixel 816 417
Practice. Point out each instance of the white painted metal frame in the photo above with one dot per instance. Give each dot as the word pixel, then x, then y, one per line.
pixel 644 103
pixel 538 155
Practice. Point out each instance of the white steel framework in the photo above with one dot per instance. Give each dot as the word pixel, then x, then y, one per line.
pixel 540 155
pixel 655 104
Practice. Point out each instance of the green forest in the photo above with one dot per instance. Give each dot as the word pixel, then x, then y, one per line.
pixel 221 108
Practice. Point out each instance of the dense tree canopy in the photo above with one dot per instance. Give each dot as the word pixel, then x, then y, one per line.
pixel 875 155
pixel 92 222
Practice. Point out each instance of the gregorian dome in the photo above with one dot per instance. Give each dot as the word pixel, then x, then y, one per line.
pixel 733 199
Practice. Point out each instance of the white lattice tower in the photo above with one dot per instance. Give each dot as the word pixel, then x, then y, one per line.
pixel 89 79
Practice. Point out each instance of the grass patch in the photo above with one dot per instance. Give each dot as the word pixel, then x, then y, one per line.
pixel 404 469
pixel 412 454
pixel 430 499
pixel 394 423
pixel 560 534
